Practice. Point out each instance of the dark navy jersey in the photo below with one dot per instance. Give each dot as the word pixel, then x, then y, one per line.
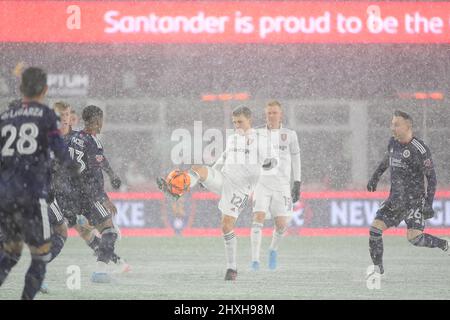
pixel 28 132
pixel 87 151
pixel 412 172
pixel 61 178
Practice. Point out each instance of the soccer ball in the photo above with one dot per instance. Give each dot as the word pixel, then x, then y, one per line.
pixel 178 182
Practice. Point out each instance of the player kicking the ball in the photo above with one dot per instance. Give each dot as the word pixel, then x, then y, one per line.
pixel 248 155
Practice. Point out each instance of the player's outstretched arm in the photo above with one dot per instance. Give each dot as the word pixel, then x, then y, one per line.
pixel 115 180
pixel 296 168
pixel 430 175
pixel 382 167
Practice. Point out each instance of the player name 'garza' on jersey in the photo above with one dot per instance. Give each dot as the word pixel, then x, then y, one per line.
pixel 27 130
pixel 87 151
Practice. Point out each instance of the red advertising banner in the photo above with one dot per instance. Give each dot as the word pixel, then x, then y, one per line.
pixel 335 213
pixel 224 22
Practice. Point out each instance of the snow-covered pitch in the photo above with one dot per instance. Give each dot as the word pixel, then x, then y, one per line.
pixel 194 268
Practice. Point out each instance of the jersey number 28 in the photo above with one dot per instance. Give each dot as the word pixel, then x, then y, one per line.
pixel 26 144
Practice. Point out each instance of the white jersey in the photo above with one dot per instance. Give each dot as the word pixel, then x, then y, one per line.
pixel 285 142
pixel 244 156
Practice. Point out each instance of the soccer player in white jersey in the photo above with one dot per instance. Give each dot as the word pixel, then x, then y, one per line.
pixel 273 193
pixel 247 156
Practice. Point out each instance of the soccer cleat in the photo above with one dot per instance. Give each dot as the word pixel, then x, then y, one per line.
pixel 377 269
pixel 102 273
pixel 120 265
pixel 162 185
pixel 100 277
pixel 44 288
pixel 446 245
pixel 272 259
pixel 255 265
pixel 231 275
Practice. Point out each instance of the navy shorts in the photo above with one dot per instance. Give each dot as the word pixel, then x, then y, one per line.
pixel 55 214
pixel 412 214
pixel 68 207
pixel 25 220
pixel 94 211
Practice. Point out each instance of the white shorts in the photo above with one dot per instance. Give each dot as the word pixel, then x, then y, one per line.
pixel 232 198
pixel 273 203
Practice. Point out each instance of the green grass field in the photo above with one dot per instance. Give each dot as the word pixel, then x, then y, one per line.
pixel 193 268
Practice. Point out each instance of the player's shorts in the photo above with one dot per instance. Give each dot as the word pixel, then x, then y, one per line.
pixel 233 199
pixel 25 220
pixel 412 215
pixel 68 207
pixel 273 203
pixel 55 215
pixel 94 211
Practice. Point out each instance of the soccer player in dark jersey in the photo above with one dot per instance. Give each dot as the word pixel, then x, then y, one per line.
pixel 64 204
pixel 410 163
pixel 91 199
pixel 28 132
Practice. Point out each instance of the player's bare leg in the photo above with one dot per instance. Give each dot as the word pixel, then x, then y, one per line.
pixel 376 244
pixel 420 239
pixel 281 225
pixel 88 233
pixel 230 246
pixel 256 238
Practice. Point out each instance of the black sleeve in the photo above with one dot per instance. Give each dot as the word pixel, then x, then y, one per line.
pixel 55 140
pixel 430 174
pixel 382 167
pixel 107 167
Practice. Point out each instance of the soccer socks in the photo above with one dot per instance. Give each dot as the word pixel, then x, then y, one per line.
pixel 230 249
pixel 94 242
pixel 376 246
pixel 7 262
pixel 277 236
pixel 194 178
pixel 106 246
pixel 57 245
pixel 35 276
pixel 429 241
pixel 255 240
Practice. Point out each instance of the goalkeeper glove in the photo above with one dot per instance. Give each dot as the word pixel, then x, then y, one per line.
pixel 116 182
pixel 372 185
pixel 295 192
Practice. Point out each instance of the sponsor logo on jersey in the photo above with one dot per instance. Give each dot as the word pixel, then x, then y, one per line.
pixel 427 163
pixel 283 136
pixel 99 158
pixel 78 142
pixel 406 153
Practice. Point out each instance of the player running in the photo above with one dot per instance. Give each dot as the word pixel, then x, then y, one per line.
pixel 247 155
pixel 273 193
pixel 28 133
pixel 90 198
pixel 62 215
pixel 410 163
